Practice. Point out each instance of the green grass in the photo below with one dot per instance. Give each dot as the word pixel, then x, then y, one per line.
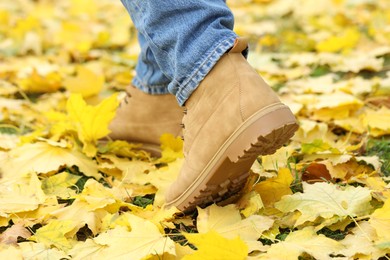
pixel 380 148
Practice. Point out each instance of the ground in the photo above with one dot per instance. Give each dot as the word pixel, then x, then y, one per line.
pixel 69 192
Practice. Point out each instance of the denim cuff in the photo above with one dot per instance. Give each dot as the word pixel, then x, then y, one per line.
pixel 150 89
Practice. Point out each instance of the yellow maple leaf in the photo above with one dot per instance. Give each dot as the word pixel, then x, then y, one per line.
pixel 228 223
pixel 303 241
pixel 160 178
pixel 142 241
pixel 119 32
pixel 380 220
pixel 377 122
pixel 360 243
pixel 213 246
pixel 87 83
pixel 345 41
pixel 252 203
pixel 40 215
pixel 54 234
pixel 33 250
pixel 91 122
pixel 336 105
pixel 10 252
pixel 172 148
pixel 277 160
pixel 83 7
pixel 43 157
pixel 326 200
pixel 37 83
pixel 110 221
pixel 21 193
pixel 310 130
pixel 74 36
pixel 79 214
pixel 59 184
pixel 96 195
pixel 273 189
pixel 124 149
pixel 318 145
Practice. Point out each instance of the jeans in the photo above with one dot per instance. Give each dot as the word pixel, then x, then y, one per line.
pixel 181 40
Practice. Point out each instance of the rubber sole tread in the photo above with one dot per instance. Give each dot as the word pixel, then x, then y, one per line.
pixel 229 190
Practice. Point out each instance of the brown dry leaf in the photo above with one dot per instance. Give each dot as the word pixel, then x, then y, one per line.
pixel 347 170
pixel 316 172
pixel 10 235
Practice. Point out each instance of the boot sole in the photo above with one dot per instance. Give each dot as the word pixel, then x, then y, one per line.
pixel 226 173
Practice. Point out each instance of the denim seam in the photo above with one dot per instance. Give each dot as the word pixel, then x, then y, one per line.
pixel 150 89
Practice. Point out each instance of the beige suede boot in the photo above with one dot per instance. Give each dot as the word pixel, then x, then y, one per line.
pixel 231 119
pixel 143 118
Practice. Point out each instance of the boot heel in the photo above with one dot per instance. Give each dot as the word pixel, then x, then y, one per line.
pixel 263 133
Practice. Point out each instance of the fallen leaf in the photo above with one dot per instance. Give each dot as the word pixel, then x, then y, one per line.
pixel 87 83
pixel 80 215
pixel 303 241
pixel 91 122
pixel 10 252
pixel 316 172
pixel 142 241
pixel 33 250
pixel 273 189
pixel 380 220
pixel 59 184
pixel 43 157
pixel 212 246
pixel 171 148
pixel 228 223
pixel 326 200
pixel 10 235
pixel 23 193
pixel 345 41
pixel 54 234
pixel 378 122
pixel 359 243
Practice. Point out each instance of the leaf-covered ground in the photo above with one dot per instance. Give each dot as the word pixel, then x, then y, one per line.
pixel 69 192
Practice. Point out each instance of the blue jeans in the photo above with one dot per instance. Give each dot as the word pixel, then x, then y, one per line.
pixel 181 40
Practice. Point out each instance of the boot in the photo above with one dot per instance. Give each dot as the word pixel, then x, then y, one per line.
pixel 143 118
pixel 230 119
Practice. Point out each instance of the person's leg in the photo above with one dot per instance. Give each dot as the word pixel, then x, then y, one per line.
pixel 149 77
pixel 186 37
pixel 149 110
pixel 232 115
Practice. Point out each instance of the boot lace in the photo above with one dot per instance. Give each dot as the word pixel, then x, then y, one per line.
pixel 182 124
